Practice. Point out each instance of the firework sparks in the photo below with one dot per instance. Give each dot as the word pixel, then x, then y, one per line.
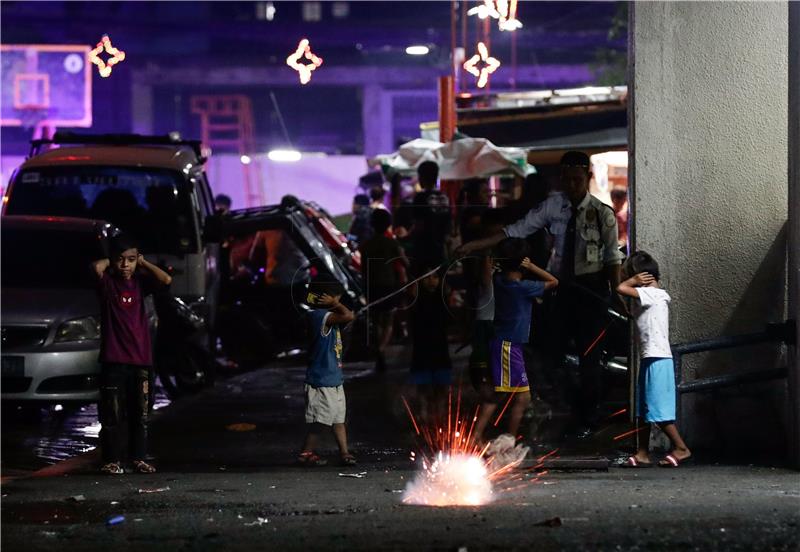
pixel 458 470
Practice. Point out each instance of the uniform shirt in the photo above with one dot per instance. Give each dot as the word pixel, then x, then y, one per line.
pixel 595 232
pixel 652 322
pixel 512 307
pixel 124 330
pixel 325 352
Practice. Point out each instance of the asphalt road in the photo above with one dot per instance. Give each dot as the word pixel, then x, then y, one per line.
pixel 227 482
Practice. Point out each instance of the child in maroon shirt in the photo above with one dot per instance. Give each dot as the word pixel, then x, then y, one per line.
pixel 125 352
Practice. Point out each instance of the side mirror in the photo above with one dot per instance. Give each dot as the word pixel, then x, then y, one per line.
pixel 213 229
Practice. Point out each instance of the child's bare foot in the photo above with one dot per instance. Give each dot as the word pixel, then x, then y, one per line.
pixel 348 460
pixel 309 458
pixel 112 468
pixel 143 467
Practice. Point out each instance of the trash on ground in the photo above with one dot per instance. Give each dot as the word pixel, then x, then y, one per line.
pixel 115 520
pixel 259 521
pixel 157 490
pixel 137 519
pixel 634 506
pixel 77 498
pixel 114 502
pixel 393 490
pixel 241 427
pixel 359 475
pixel 552 522
pixel 505 451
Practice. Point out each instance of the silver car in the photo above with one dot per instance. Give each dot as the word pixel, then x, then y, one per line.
pixel 50 308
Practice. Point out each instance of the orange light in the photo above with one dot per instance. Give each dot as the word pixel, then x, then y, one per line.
pixel 304 69
pixel 489 65
pixel 105 67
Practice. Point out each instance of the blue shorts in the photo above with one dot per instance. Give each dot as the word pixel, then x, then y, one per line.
pixel 508 367
pixel 655 401
pixel 431 377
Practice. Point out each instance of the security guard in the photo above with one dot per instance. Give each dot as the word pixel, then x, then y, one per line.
pixel 586 260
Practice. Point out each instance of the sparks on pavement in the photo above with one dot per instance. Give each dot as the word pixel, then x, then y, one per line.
pixel 455 470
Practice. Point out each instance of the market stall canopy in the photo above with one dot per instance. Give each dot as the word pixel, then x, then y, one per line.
pixel 458 160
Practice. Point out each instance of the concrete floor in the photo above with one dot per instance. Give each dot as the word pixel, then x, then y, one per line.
pixel 239 490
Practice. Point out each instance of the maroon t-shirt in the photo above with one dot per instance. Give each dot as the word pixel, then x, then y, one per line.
pixel 125 335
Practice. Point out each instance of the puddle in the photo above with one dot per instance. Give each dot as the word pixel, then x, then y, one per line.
pixel 36 437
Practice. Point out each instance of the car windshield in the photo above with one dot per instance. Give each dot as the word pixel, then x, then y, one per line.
pixel 153 205
pixel 51 258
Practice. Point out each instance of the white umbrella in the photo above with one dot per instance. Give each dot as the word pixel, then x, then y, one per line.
pixel 457 160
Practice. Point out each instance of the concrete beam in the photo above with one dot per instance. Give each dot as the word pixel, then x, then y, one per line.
pixel 794 229
pixel 397 77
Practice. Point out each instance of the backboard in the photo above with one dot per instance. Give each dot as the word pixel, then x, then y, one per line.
pixel 46 84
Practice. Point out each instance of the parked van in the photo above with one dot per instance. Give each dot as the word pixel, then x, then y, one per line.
pixel 153 187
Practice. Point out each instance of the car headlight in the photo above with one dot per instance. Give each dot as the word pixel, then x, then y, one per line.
pixel 79 329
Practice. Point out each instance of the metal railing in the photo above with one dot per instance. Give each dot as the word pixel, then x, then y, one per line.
pixel 774 333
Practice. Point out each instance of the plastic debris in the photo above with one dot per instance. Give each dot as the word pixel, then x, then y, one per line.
pixel 115 520
pixel 77 498
pixel 241 427
pixel 393 490
pixel 552 522
pixel 114 502
pixel 359 475
pixel 259 521
pixel 137 520
pixel 157 490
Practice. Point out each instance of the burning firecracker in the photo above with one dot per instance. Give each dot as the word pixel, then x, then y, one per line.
pixel 457 471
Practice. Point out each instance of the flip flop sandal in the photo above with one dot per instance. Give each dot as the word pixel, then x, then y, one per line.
pixel 143 467
pixel 349 460
pixel 672 461
pixel 112 468
pixel 632 462
pixel 310 459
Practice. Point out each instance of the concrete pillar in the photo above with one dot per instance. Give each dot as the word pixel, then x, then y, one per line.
pixel 141 107
pixel 377 118
pixel 794 228
pixel 709 119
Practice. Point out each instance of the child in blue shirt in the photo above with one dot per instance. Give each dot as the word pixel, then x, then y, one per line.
pixel 513 299
pixel 324 393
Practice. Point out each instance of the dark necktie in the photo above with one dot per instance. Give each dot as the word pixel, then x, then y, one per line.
pixel 568 257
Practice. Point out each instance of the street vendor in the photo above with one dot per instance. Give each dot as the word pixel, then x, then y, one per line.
pixel 586 260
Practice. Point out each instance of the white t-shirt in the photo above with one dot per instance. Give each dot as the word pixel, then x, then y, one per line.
pixel 652 322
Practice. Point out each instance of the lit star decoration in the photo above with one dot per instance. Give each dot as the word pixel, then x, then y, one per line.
pixel 508 15
pixel 487 9
pixel 489 65
pixel 104 66
pixel 304 70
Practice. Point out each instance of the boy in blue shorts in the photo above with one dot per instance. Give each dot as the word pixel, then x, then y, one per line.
pixel 325 400
pixel 655 400
pixel 513 299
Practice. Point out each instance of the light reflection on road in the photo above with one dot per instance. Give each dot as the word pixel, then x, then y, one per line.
pixel 33 438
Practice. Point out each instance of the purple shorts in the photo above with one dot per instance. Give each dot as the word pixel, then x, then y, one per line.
pixel 508 367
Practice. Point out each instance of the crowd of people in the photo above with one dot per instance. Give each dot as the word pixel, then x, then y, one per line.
pixel 553 258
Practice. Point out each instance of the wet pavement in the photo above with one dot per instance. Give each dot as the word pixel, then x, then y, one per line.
pixel 227 480
pixel 34 437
